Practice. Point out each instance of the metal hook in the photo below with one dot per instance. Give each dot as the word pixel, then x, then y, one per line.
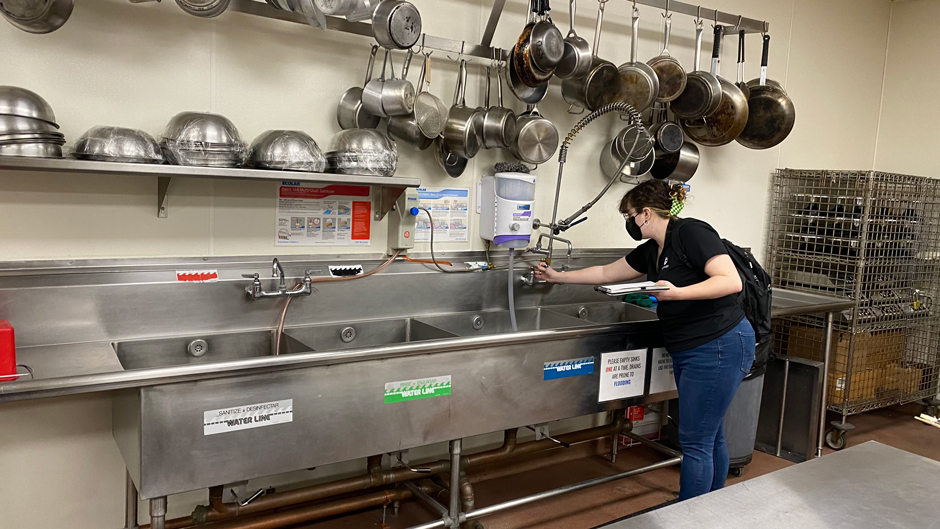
pixel 667 14
pixel 764 30
pixel 737 26
pixel 716 17
pixel 423 36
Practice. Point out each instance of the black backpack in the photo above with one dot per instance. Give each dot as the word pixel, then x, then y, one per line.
pixel 755 296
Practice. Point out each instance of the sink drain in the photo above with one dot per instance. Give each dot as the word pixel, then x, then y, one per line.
pixel 198 347
pixel 478 322
pixel 348 334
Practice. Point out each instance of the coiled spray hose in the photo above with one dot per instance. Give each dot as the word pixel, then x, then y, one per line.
pixel 634 119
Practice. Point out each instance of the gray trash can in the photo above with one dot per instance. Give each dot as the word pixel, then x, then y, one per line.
pixel 741 422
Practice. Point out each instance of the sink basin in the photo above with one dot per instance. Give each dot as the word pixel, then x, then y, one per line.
pixel 498 322
pixel 370 333
pixel 609 312
pixel 162 352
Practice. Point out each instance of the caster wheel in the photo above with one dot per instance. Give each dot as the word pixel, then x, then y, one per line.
pixel 478 525
pixel 737 472
pixel 933 411
pixel 835 439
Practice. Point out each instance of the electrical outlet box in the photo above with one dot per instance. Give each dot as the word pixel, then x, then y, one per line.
pixel 401 221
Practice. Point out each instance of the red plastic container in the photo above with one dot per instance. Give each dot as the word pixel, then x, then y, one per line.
pixel 7 352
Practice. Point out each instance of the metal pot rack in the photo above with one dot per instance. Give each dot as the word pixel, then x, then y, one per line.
pixel 485 50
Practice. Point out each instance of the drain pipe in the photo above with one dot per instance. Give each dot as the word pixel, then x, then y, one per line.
pixel 455 448
pixel 130 504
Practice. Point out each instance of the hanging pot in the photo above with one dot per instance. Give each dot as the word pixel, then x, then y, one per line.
pixel 536 138
pixel 602 83
pixel 679 166
pixel 771 113
pixel 577 58
pixel 461 133
pixel 702 93
pixel 350 113
pixel 499 123
pixel 667 135
pixel 396 24
pixel 723 125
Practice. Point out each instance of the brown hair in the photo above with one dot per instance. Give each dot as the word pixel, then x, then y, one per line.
pixel 654 194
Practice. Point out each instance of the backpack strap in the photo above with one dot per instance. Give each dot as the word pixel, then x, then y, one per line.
pixel 677 241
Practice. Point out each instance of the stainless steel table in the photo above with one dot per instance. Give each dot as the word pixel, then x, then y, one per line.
pixel 869 486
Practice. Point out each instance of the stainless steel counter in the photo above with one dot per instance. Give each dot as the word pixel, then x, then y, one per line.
pixel 869 486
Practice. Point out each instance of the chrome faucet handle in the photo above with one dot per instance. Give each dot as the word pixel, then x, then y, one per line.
pixel 278 271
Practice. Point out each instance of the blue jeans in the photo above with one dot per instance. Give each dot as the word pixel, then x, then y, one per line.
pixel 708 377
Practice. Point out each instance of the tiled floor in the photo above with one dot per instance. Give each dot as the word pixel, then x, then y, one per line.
pixel 598 505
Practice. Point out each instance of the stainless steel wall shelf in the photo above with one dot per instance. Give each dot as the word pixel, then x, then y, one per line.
pixel 385 190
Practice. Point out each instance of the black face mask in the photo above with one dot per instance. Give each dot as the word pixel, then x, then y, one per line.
pixel 634 230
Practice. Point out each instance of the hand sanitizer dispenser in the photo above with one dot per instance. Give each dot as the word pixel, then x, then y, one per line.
pixel 506 203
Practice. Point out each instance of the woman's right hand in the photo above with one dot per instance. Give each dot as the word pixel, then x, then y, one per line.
pixel 546 273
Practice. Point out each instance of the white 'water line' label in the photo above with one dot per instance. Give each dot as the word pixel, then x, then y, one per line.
pixel 248 416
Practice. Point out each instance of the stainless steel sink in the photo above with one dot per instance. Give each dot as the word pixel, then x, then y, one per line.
pixel 606 312
pixel 162 352
pixel 369 333
pixel 498 322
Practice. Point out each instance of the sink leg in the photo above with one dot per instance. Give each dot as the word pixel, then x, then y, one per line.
pixel 614 442
pixel 130 504
pixel 455 450
pixel 158 513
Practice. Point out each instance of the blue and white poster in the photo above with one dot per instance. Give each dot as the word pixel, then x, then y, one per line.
pixel 450 209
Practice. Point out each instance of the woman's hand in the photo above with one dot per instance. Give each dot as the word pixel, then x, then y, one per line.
pixel 546 273
pixel 673 294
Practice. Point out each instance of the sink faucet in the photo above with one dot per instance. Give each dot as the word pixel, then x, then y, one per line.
pixel 256 291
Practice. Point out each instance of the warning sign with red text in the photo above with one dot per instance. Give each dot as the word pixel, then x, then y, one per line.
pixel 318 215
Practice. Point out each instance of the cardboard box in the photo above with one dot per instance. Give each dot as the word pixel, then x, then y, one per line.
pixel 907 380
pixel 872 350
pixel 864 384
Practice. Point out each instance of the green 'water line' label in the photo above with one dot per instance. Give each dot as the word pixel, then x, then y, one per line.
pixel 423 388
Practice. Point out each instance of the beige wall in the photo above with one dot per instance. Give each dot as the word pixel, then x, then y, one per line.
pixel 907 137
pixel 137 65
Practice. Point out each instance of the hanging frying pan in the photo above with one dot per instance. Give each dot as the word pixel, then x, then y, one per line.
pixel 639 84
pixel 671 75
pixel 771 113
pixel 702 93
pixel 601 84
pixel 723 125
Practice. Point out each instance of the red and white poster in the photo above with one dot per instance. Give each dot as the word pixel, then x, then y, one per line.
pixel 318 215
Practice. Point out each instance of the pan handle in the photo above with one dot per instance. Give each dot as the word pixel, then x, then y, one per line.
pixel 716 50
pixel 763 60
pixel 463 82
pixel 634 37
pixel 572 8
pixel 424 73
pixel 741 56
pixel 486 100
pixel 375 49
pixel 499 85
pixel 597 29
pixel 698 45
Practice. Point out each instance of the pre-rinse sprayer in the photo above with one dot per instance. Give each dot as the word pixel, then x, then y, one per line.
pixel 556 226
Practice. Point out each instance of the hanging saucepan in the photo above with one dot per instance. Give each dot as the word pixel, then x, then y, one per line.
pixel 632 144
pixel 679 166
pixel 602 83
pixel 452 164
pixel 702 93
pixel 639 85
pixel 536 138
pixel 577 58
pixel 37 16
pixel 372 92
pixel 722 126
pixel 740 79
pixel 396 24
pixel 671 74
pixel 771 112
pixel 398 95
pixel 499 123
pixel 667 135
pixel 349 113
pixel 405 128
pixel 547 45
pixel 522 53
pixel 523 93
pixel 461 135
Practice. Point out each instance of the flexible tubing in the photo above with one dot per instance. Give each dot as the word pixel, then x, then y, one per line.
pixel 512 303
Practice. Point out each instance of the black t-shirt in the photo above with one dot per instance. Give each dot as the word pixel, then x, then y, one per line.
pixel 688 324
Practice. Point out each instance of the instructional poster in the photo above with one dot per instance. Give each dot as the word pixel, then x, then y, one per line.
pixel 662 378
pixel 623 375
pixel 450 208
pixel 317 215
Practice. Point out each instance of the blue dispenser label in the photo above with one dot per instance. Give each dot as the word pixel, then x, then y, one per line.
pixel 568 368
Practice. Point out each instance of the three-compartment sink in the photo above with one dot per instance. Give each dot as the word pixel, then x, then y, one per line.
pixel 211 348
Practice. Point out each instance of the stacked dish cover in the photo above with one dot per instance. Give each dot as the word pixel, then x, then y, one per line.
pixel 27 125
pixel 204 139
pixel 117 144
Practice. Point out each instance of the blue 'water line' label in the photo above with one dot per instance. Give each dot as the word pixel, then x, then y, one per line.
pixel 568 368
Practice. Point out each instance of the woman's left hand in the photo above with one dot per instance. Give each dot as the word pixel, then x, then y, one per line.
pixel 673 294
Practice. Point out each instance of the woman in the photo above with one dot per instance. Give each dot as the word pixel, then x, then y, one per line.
pixel 704 328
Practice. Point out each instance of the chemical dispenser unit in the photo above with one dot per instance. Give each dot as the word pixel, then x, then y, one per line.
pixel 506 204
